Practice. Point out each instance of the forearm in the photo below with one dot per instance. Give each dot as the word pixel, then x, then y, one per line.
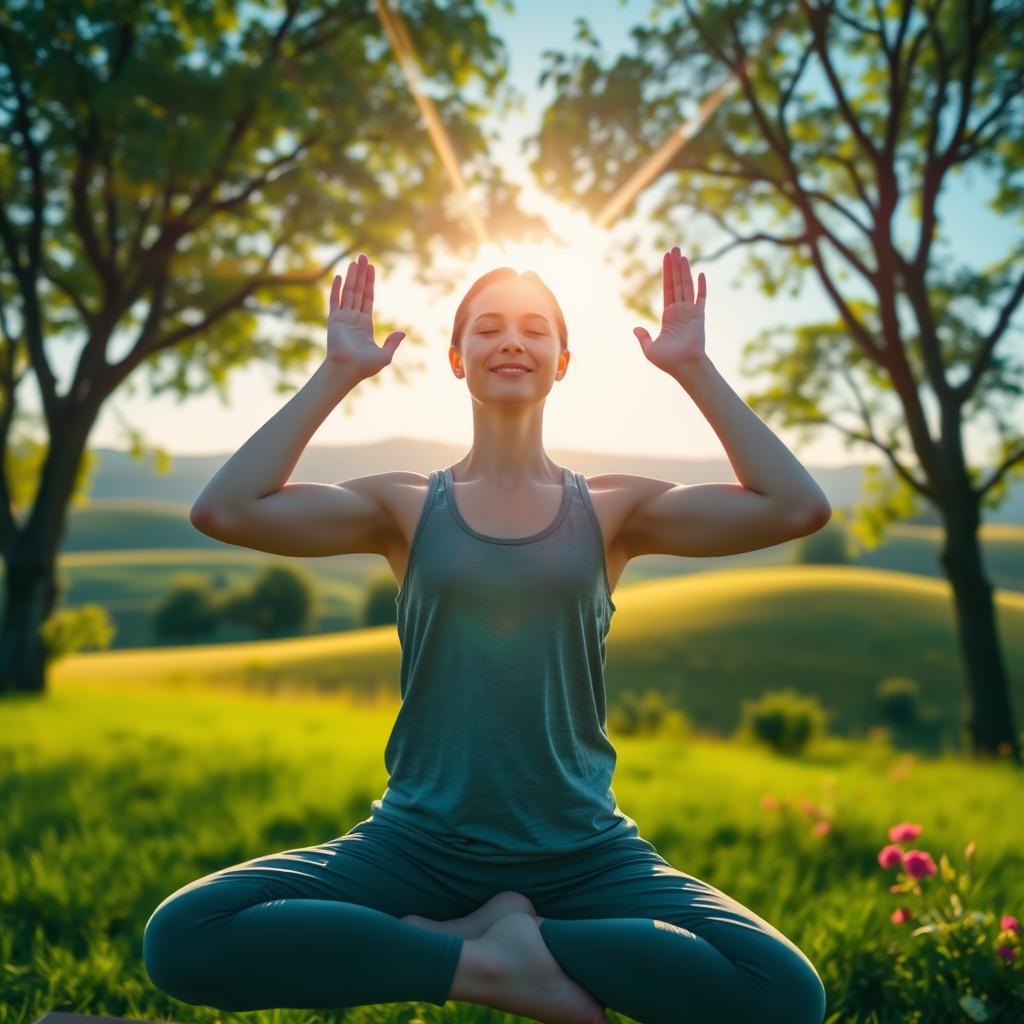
pixel 265 462
pixel 760 460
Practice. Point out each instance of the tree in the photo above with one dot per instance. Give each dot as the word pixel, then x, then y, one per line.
pixel 910 93
pixel 166 176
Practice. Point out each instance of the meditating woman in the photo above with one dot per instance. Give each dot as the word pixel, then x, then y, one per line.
pixel 497 867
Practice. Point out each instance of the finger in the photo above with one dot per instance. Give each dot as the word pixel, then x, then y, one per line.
pixel 666 279
pixel 392 343
pixel 702 289
pixel 367 306
pixel 335 292
pixel 643 337
pixel 677 275
pixel 357 297
pixel 687 280
pixel 346 292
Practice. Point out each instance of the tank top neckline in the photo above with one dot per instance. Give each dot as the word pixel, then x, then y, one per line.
pixel 567 484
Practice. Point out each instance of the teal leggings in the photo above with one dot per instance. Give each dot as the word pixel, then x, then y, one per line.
pixel 320 927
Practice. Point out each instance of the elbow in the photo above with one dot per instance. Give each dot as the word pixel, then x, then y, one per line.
pixel 203 518
pixel 818 516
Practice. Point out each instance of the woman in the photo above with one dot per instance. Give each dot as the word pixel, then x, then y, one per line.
pixel 497 867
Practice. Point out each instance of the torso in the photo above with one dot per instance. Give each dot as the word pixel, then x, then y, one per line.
pixel 496 516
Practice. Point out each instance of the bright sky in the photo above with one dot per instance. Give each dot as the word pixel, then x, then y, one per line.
pixel 612 400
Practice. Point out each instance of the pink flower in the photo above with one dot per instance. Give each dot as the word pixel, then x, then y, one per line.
pixel 808 807
pixel 1009 924
pixel 821 828
pixel 903 831
pixel 918 863
pixel 901 915
pixel 890 857
pixel 1007 952
pixel 770 802
pixel 896 888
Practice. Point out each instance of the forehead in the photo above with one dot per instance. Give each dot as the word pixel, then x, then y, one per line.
pixel 512 299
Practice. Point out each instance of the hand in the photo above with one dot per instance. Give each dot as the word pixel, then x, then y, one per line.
pixel 681 341
pixel 350 341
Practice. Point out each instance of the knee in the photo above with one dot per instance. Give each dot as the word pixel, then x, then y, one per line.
pixel 172 951
pixel 798 998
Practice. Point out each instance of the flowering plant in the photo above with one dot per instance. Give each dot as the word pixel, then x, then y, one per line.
pixel 964 952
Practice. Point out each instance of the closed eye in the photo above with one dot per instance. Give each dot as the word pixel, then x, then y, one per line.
pixel 538 333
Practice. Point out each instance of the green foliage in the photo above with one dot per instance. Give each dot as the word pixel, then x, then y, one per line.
pixel 898 701
pixel 827 546
pixel 646 714
pixel 379 604
pixel 785 720
pixel 67 630
pixel 187 613
pixel 280 600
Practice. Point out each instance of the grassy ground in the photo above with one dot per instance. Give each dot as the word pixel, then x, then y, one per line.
pixel 116 794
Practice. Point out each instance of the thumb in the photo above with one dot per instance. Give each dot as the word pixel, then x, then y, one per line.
pixel 643 337
pixel 392 343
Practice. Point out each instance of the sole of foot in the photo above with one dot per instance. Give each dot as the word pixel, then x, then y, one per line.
pixel 521 976
pixel 474 925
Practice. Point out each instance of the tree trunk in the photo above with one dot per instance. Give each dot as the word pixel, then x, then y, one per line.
pixel 990 720
pixel 30 597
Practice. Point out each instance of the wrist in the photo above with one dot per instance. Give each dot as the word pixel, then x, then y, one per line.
pixel 693 370
pixel 338 375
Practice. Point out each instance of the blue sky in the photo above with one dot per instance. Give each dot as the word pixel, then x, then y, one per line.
pixel 612 400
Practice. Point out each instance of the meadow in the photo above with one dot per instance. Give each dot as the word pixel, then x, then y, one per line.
pixel 115 794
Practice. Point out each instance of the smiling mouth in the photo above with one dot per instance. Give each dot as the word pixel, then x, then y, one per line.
pixel 509 372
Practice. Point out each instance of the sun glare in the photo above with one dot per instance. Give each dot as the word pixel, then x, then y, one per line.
pixel 573 263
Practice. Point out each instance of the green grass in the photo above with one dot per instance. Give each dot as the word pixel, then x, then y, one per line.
pixel 116 794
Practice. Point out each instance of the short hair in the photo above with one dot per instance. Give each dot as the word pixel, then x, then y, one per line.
pixel 500 274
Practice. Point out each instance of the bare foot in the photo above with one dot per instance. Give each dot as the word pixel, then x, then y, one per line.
pixel 472 926
pixel 521 976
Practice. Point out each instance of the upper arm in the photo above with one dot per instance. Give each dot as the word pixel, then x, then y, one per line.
pixel 696 520
pixel 311 519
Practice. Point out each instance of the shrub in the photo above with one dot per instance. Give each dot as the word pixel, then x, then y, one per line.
pixel 187 612
pixel 379 607
pixel 828 546
pixel 783 719
pixel 646 714
pixel 87 627
pixel 898 701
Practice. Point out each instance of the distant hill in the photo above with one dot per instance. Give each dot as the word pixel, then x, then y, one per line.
pixel 119 476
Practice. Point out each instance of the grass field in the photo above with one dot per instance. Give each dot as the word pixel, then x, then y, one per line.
pixel 117 793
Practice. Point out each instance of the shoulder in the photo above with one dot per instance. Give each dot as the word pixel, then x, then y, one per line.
pixel 618 499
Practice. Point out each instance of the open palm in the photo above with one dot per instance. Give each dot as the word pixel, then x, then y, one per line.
pixel 681 340
pixel 350 336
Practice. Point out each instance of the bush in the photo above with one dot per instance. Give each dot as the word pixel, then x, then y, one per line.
pixel 898 701
pixel 646 714
pixel 783 719
pixel 280 601
pixel 827 546
pixel 379 608
pixel 187 612
pixel 87 627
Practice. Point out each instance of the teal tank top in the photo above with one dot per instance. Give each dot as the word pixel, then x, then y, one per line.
pixel 499 747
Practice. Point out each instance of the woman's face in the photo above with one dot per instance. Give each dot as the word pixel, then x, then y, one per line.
pixel 510 321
